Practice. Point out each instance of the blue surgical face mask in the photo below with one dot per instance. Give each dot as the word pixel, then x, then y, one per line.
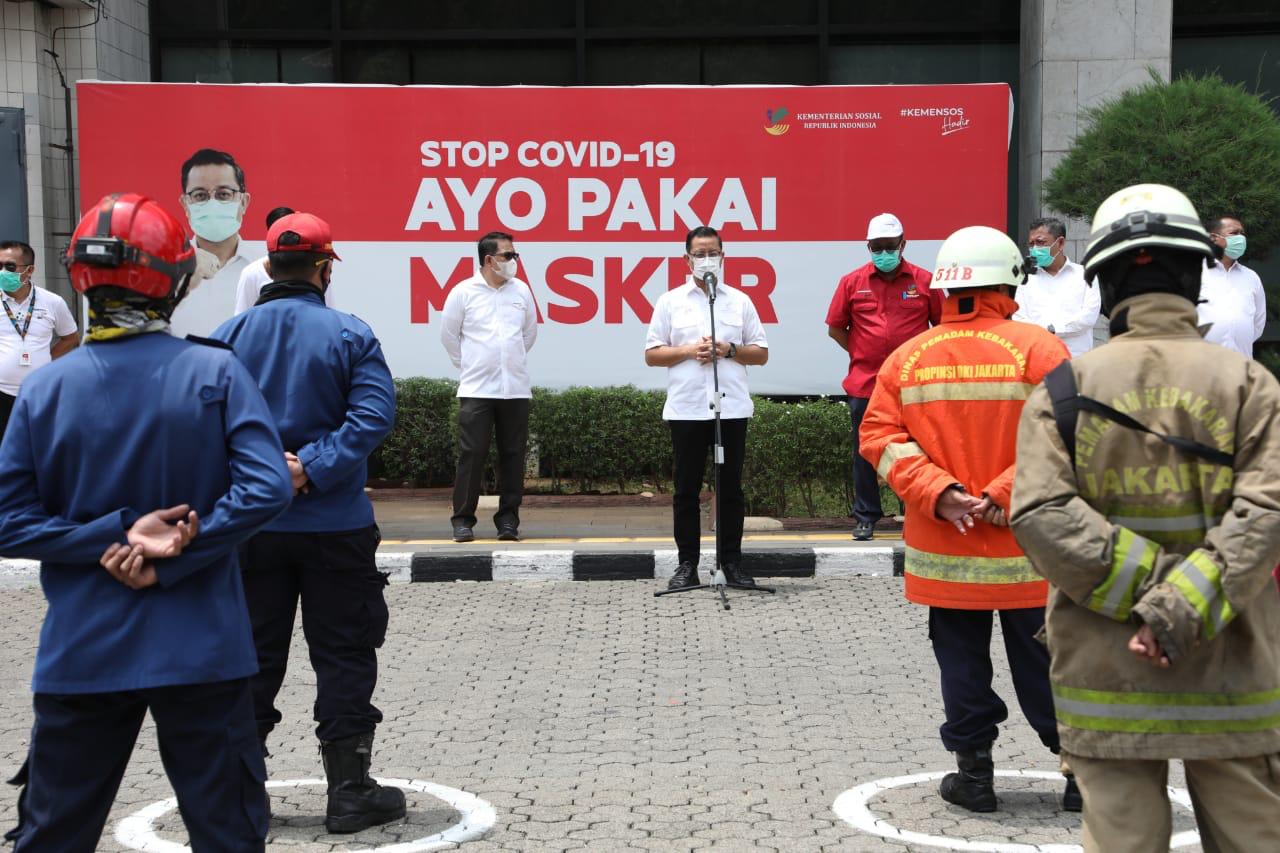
pixel 1235 246
pixel 886 261
pixel 10 281
pixel 214 220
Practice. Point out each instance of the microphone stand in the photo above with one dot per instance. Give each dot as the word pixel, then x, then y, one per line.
pixel 718 581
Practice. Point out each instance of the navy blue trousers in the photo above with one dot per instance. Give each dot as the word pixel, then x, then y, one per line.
pixel 962 644
pixel 80 747
pixel 866 484
pixel 335 577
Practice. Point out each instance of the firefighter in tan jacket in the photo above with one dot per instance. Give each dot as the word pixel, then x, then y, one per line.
pixel 1159 542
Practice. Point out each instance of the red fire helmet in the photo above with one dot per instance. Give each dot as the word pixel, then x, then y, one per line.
pixel 129 241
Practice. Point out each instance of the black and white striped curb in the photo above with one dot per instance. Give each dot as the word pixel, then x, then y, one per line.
pixel 648 565
pixel 553 565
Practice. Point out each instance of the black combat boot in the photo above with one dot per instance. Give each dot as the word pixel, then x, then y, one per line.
pixel 356 801
pixel 973 788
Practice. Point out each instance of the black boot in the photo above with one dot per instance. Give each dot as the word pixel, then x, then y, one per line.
pixel 1072 801
pixel 355 800
pixel 686 575
pixel 973 788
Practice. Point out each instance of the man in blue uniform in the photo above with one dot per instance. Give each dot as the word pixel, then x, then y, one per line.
pixel 135 421
pixel 329 389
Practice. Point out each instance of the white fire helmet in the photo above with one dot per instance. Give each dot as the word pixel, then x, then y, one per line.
pixel 978 256
pixel 1144 215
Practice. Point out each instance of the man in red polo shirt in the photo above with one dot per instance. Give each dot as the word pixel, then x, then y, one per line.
pixel 875 309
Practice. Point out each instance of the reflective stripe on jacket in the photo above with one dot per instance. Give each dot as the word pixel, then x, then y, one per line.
pixel 1142 532
pixel 945 410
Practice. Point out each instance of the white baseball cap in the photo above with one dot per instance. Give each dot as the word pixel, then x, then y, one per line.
pixel 884 225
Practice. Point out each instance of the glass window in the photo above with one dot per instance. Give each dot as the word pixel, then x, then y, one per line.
pixel 760 62
pixel 473 14
pixel 278 14
pixel 628 63
pixel 924 63
pixel 183 16
pixel 496 63
pixel 366 62
pixel 1253 60
pixel 928 15
pixel 703 13
pixel 306 64
pixel 219 62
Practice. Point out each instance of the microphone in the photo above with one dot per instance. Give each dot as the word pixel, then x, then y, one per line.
pixel 710 281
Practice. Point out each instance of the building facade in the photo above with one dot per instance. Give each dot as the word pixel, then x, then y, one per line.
pixel 1059 56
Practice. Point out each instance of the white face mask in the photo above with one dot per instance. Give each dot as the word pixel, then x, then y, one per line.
pixel 507 269
pixel 702 266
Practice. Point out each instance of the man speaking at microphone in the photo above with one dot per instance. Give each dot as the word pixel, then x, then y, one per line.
pixel 679 339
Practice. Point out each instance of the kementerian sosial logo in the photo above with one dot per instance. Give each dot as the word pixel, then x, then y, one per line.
pixel 773 121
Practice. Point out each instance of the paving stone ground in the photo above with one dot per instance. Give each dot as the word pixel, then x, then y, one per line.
pixel 593 716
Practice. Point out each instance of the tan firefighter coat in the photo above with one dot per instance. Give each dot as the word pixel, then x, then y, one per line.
pixel 1143 532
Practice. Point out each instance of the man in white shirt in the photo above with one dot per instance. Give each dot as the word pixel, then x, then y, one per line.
pixel 1231 296
pixel 37 328
pixel 255 275
pixel 215 200
pixel 679 339
pixel 488 325
pixel 1057 297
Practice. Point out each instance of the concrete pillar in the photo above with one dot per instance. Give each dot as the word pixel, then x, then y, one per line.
pixel 1077 54
pixel 115 47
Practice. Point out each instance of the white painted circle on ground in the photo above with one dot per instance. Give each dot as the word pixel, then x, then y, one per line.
pixel 853 807
pixel 137 831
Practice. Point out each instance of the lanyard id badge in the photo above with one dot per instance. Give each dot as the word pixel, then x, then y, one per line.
pixel 24 360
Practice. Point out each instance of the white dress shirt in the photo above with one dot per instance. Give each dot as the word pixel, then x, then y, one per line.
pixel 488 331
pixel 50 319
pixel 682 317
pixel 214 299
pixel 1235 303
pixel 254 277
pixel 1063 301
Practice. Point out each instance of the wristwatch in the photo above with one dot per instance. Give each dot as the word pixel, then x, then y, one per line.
pixel 733 350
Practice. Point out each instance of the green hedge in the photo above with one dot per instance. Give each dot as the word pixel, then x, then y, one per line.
pixel 587 439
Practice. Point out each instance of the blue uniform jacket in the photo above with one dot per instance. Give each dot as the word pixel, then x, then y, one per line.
pixel 112 431
pixel 328 386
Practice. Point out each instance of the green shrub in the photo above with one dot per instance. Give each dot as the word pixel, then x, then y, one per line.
pixel 797 459
pixel 1217 143
pixel 420 449
pixel 601 435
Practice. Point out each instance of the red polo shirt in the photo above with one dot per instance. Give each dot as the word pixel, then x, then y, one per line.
pixel 881 313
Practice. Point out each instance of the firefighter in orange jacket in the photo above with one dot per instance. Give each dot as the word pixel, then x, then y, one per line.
pixel 941 428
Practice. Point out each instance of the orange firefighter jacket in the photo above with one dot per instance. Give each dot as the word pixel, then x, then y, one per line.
pixel 944 411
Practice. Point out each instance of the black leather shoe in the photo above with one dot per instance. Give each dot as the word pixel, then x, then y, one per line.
pixel 1072 801
pixel 973 788
pixel 508 533
pixel 686 575
pixel 734 574
pixel 863 531
pixel 462 533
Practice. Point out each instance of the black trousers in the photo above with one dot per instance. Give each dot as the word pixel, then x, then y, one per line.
pixel 691 441
pixel 866 485
pixel 80 747
pixel 344 619
pixel 962 644
pixel 478 419
pixel 6 409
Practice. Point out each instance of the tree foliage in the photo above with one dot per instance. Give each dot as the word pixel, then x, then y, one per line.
pixel 1216 142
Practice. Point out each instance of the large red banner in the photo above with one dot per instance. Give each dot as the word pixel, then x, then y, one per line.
pixel 599 185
